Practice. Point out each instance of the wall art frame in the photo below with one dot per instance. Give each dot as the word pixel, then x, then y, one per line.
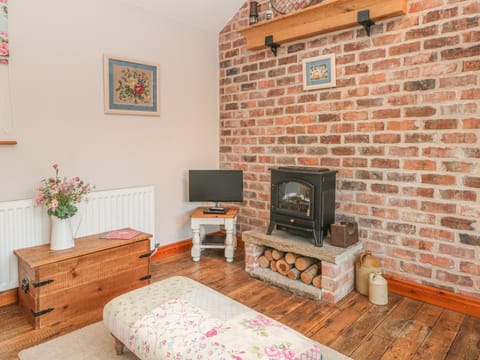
pixel 131 87
pixel 319 72
pixel 4 47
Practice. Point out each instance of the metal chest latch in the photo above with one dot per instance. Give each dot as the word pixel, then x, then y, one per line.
pixel 41 283
pixel 41 312
pixel 26 284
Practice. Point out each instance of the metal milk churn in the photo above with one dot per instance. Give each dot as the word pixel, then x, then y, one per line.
pixel 366 264
pixel 377 289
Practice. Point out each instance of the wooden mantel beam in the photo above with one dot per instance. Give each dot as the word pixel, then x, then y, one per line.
pixel 328 16
pixel 8 142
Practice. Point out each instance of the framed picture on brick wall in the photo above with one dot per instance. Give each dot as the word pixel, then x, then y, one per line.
pixel 319 72
pixel 131 87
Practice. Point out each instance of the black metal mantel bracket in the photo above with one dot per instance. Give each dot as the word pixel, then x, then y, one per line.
pixel 363 18
pixel 271 44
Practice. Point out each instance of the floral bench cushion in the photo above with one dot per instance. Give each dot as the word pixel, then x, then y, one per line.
pixel 179 318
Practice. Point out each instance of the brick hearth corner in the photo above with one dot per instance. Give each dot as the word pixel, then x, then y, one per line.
pixel 337 264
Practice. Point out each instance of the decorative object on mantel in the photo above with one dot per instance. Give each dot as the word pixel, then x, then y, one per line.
pixel 318 19
pixel 284 7
pixel 319 72
pixel 4 49
pixel 253 16
pixel 131 87
pixel 60 197
pixel 269 12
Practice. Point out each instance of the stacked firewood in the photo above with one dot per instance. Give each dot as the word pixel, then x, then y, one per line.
pixel 296 267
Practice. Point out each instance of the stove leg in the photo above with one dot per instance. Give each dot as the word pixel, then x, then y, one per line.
pixel 318 237
pixel 270 228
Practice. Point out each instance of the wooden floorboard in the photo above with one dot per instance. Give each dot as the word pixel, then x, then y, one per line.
pixel 439 342
pixel 414 331
pixel 371 316
pixel 467 341
pixel 403 329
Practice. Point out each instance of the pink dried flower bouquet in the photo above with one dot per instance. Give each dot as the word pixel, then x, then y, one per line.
pixel 60 195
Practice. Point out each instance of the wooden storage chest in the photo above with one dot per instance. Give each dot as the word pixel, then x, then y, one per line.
pixel 55 286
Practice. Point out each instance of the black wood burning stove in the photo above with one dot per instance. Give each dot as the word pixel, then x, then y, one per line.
pixel 303 201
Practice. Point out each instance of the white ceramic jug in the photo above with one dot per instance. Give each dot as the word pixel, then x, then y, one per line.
pixel 61 236
pixel 377 289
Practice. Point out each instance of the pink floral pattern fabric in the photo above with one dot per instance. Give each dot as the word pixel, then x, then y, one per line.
pixel 176 329
pixel 120 314
pixel 4 49
pixel 181 323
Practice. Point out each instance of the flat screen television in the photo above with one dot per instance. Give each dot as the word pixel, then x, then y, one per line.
pixel 215 186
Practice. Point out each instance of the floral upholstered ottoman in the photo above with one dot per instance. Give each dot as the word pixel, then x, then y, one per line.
pixel 179 318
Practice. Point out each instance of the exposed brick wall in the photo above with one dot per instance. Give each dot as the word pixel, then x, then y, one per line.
pixel 402 127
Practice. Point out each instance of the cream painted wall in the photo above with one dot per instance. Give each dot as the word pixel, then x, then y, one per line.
pixel 57 90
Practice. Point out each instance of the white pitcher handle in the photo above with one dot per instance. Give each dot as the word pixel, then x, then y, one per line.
pixel 78 225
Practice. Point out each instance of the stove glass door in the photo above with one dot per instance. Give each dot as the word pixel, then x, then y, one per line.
pixel 295 197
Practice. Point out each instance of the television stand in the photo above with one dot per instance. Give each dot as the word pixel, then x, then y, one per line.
pixel 199 218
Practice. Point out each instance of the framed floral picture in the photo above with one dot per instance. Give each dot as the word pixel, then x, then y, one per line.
pixel 4 52
pixel 319 72
pixel 131 87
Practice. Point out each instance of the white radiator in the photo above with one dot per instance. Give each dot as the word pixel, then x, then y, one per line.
pixel 23 224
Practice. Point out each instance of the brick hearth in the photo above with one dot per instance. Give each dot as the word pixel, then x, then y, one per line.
pixel 337 263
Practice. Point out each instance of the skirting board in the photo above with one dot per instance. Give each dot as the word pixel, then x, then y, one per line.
pixel 172 249
pixel 461 303
pixel 183 246
pixel 9 297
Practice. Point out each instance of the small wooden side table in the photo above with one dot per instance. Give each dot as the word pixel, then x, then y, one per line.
pixel 228 220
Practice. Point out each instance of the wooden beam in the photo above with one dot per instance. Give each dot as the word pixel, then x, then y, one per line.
pixel 328 16
pixel 8 142
pixel 446 299
pixel 8 297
